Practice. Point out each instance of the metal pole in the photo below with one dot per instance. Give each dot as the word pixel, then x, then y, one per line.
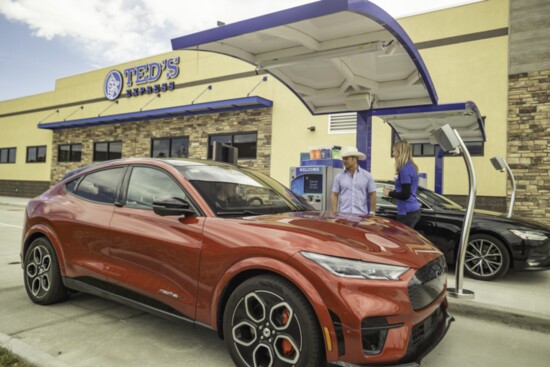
pixel 513 197
pixel 458 292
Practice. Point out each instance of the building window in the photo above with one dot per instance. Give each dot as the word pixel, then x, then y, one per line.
pixel 7 155
pixel 146 184
pixel 341 123
pixel 428 150
pixel 476 148
pixel 98 186
pixel 423 150
pixel 69 153
pixel 107 151
pixel 170 147
pixel 245 142
pixel 36 154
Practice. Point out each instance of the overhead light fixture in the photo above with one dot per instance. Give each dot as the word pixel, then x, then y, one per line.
pixel 390 47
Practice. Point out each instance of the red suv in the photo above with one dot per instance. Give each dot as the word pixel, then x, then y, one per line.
pixel 232 250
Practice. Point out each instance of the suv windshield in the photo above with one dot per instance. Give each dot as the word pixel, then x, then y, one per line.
pixel 230 190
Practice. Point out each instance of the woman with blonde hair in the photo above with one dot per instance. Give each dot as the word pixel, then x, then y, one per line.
pixel 406 185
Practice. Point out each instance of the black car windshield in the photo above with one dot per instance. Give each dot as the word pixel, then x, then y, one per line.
pixel 433 199
pixel 231 190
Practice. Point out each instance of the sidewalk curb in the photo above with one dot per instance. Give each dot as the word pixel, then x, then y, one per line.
pixel 30 354
pixel 508 316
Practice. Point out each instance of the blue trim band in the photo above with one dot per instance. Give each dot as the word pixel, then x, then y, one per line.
pixel 363 137
pixel 229 105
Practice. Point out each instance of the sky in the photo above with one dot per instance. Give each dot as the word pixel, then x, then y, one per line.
pixel 44 40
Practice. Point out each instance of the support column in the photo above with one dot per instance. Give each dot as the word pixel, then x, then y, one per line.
pixel 364 137
pixel 438 185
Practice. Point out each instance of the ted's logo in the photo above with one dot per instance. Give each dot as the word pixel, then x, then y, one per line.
pixel 113 85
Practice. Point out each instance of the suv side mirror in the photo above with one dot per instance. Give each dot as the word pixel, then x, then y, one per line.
pixel 168 205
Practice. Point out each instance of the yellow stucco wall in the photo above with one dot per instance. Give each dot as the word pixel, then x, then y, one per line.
pixel 21 130
pixel 12 136
pixel 474 71
pixel 471 71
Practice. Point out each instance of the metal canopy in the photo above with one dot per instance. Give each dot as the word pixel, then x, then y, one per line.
pixel 416 124
pixel 335 55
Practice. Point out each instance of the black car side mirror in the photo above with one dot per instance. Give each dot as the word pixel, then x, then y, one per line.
pixel 171 205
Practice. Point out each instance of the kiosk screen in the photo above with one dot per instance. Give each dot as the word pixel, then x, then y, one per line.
pixel 313 184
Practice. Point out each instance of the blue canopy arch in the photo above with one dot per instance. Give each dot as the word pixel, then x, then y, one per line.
pixel 335 55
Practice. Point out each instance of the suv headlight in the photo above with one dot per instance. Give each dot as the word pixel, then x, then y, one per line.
pixel 347 268
pixel 529 235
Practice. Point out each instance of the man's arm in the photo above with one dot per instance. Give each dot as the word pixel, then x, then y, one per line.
pixel 372 202
pixel 371 189
pixel 334 201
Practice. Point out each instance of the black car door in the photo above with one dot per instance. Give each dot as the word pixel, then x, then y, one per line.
pixel 386 207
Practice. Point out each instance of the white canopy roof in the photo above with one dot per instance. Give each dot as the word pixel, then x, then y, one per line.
pixel 335 55
pixel 416 124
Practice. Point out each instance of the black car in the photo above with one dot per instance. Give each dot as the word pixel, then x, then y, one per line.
pixel 496 243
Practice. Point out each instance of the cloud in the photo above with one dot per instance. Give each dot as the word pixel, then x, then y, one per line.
pixel 109 32
pixel 114 31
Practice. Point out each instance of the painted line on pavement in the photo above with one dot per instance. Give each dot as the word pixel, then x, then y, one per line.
pixel 10 225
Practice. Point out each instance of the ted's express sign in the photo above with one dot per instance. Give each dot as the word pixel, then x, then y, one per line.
pixel 140 79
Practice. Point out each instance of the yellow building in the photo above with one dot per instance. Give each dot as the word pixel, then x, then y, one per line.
pixel 178 103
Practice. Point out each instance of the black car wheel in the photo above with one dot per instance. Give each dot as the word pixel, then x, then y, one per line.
pixel 486 258
pixel 268 322
pixel 42 276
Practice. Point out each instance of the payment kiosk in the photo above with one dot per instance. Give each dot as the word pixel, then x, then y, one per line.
pixel 313 180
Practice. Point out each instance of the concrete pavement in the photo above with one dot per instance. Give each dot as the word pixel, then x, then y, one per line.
pixel 12 201
pixel 519 300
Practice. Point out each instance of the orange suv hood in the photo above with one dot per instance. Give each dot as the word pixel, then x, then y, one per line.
pixel 366 238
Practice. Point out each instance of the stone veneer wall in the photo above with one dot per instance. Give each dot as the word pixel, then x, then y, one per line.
pixel 136 137
pixel 529 142
pixel 493 203
pixel 23 189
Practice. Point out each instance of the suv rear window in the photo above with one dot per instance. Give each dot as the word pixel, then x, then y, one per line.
pixel 99 186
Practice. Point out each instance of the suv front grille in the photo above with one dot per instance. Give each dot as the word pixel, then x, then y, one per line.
pixel 425 336
pixel 428 283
